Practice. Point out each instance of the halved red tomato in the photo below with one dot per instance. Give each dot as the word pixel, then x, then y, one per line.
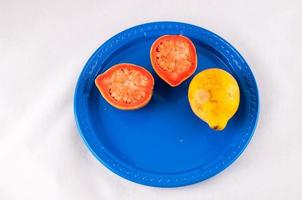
pixel 173 58
pixel 126 86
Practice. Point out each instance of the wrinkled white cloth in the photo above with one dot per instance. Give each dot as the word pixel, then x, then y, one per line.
pixel 43 47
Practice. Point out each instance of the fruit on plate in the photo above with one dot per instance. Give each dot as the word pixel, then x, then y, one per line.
pixel 173 58
pixel 126 86
pixel 214 97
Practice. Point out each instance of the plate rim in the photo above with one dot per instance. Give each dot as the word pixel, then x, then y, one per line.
pixel 132 175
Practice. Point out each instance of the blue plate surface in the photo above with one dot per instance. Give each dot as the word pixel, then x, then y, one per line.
pixel 163 144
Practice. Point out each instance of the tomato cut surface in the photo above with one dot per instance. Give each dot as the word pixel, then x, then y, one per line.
pixel 126 86
pixel 173 58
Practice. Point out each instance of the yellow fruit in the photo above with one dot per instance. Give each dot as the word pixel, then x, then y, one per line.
pixel 214 97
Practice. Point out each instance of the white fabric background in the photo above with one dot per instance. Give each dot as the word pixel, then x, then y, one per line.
pixel 43 47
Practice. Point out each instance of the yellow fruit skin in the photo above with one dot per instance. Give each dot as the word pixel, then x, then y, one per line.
pixel 214 97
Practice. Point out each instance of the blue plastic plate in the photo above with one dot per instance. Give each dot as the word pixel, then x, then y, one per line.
pixel 163 144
